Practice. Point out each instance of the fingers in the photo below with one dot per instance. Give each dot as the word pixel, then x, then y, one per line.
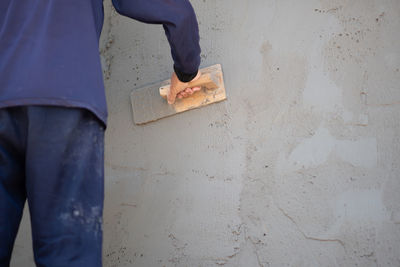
pixel 187 92
pixel 179 89
pixel 183 94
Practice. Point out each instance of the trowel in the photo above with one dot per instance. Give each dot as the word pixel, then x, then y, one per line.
pixel 149 103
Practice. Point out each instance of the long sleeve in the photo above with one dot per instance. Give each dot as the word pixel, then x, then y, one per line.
pixel 180 25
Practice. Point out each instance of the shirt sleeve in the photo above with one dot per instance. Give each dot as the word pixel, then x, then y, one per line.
pixel 180 25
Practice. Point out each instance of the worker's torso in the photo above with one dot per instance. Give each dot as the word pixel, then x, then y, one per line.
pixel 49 53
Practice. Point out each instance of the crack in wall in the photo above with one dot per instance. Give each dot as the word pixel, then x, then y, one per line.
pixel 307 236
pixel 238 250
pixel 255 250
pixel 179 250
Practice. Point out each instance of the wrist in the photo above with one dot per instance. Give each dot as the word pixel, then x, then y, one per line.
pixel 185 77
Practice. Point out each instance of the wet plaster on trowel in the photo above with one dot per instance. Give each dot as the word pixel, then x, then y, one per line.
pixel 299 167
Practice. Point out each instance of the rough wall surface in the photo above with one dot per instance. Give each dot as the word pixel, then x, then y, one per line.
pixel 299 167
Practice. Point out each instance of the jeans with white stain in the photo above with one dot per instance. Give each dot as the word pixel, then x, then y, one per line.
pixel 53 157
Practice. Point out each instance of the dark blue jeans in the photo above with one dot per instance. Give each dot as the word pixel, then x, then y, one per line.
pixel 53 157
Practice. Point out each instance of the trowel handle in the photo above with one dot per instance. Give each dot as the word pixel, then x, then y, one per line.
pixel 207 80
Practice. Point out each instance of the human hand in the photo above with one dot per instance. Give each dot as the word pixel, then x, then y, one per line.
pixel 180 89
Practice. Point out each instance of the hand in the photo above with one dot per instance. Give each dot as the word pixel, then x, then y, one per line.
pixel 180 89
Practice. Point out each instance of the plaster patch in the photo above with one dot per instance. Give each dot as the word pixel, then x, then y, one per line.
pixel 365 206
pixel 360 153
pixel 321 92
pixel 313 151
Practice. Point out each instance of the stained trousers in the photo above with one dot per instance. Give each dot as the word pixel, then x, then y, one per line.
pixel 53 158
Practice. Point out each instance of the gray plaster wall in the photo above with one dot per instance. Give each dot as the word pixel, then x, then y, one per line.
pixel 299 167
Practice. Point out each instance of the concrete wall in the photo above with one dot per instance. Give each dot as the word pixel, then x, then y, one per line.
pixel 299 167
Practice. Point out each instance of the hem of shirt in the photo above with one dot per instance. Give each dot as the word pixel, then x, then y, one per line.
pixel 48 101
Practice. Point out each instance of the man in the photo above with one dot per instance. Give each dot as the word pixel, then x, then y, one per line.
pixel 53 115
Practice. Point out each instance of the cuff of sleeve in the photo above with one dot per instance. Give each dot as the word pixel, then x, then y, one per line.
pixel 184 77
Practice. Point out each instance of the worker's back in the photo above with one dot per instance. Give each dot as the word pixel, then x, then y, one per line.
pixel 49 53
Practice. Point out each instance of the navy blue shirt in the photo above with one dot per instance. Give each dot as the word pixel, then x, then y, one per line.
pixel 49 49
